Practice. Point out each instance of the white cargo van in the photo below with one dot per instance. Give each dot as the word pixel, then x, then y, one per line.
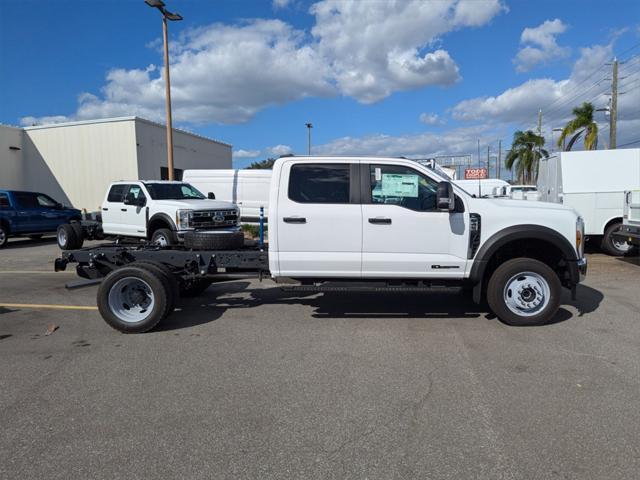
pixel 248 189
pixel 593 183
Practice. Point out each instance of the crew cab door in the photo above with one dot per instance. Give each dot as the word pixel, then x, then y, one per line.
pixel 403 233
pixel 133 218
pixel 112 210
pixel 319 220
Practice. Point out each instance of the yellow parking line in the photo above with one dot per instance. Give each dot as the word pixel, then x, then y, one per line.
pixel 17 272
pixel 54 307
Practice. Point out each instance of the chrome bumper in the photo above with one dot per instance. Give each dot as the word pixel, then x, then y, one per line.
pixel 582 269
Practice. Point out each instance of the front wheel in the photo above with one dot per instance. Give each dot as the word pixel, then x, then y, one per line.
pixel 524 292
pixel 611 244
pixel 164 237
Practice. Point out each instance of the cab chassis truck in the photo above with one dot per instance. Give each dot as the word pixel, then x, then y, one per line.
pixel 360 224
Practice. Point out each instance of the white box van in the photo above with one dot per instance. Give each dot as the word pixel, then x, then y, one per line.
pixel 593 183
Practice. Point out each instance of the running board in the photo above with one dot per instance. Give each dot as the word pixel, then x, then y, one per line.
pixel 366 288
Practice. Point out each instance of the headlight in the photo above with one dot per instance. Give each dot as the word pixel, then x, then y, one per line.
pixel 183 219
pixel 580 237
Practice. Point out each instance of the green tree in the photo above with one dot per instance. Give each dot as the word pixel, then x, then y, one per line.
pixel 526 152
pixel 263 164
pixel 581 123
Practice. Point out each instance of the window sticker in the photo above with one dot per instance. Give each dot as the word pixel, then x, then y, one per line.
pixel 396 185
pixel 378 174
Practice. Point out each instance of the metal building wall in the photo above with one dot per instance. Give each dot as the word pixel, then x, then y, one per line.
pixel 11 160
pixel 190 151
pixel 74 163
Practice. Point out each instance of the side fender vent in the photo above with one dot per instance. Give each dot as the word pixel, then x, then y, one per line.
pixel 474 234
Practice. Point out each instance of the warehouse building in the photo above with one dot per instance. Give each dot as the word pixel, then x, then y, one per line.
pixel 75 162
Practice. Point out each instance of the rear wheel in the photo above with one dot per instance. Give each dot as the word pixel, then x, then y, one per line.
pixel 613 245
pixel 524 292
pixel 67 237
pixel 4 235
pixel 133 299
pixel 166 276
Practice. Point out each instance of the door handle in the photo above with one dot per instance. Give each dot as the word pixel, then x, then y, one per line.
pixel 123 209
pixel 380 221
pixel 104 209
pixel 294 220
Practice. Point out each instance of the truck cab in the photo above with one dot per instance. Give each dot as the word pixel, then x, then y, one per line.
pixel 31 214
pixel 163 211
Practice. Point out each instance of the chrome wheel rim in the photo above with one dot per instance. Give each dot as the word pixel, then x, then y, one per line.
pixel 161 241
pixel 131 299
pixel 619 245
pixel 527 294
pixel 62 237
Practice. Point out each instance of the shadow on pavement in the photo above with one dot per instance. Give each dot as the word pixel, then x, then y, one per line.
pixel 424 305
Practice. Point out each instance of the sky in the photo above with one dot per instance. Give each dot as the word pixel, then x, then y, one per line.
pixel 415 78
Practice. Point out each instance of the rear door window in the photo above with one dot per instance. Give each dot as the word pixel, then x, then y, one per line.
pixel 319 183
pixel 26 200
pixel 116 193
pixel 4 201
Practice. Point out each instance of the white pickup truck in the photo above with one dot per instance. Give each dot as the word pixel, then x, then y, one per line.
pixel 364 223
pixel 163 212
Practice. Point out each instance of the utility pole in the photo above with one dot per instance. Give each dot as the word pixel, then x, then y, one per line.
pixel 613 112
pixel 488 163
pixel 540 122
pixel 499 166
pixel 309 127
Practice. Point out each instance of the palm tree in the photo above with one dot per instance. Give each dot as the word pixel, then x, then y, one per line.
pixel 581 123
pixel 526 152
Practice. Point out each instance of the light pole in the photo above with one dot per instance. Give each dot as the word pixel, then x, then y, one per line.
pixel 166 15
pixel 309 127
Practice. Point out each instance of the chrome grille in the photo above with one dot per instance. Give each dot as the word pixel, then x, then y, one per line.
pixel 214 218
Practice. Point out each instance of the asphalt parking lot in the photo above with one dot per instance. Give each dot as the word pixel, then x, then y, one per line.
pixel 251 382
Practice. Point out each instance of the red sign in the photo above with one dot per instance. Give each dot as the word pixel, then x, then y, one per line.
pixel 475 173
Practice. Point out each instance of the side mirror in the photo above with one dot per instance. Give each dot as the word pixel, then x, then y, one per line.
pixel 445 198
pixel 211 196
pixel 59 206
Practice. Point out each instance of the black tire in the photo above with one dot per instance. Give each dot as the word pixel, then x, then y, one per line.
pixel 195 288
pixel 212 240
pixel 35 236
pixel 67 237
pixel 164 237
pixel 77 226
pixel 611 245
pixel 150 318
pixel 173 287
pixel 4 235
pixel 508 274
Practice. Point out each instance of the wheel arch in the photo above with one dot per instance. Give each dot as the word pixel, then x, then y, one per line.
pixel 534 241
pixel 6 224
pixel 160 220
pixel 610 222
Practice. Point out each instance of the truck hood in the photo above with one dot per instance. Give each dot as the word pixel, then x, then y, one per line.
pixel 519 204
pixel 196 204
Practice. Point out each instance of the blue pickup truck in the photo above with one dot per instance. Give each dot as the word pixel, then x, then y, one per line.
pixel 31 214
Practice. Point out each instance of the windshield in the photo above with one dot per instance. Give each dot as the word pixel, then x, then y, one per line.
pixel 173 191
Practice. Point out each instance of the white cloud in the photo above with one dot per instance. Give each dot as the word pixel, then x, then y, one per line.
pixel 376 48
pixel 456 141
pixel 279 150
pixel 430 118
pixel 540 45
pixel 245 153
pixel 281 3
pixel 227 73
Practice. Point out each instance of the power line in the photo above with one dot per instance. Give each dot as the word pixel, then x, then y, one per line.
pixel 629 143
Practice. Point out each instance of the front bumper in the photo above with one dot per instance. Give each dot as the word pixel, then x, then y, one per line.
pixel 629 234
pixel 577 271
pixel 180 233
